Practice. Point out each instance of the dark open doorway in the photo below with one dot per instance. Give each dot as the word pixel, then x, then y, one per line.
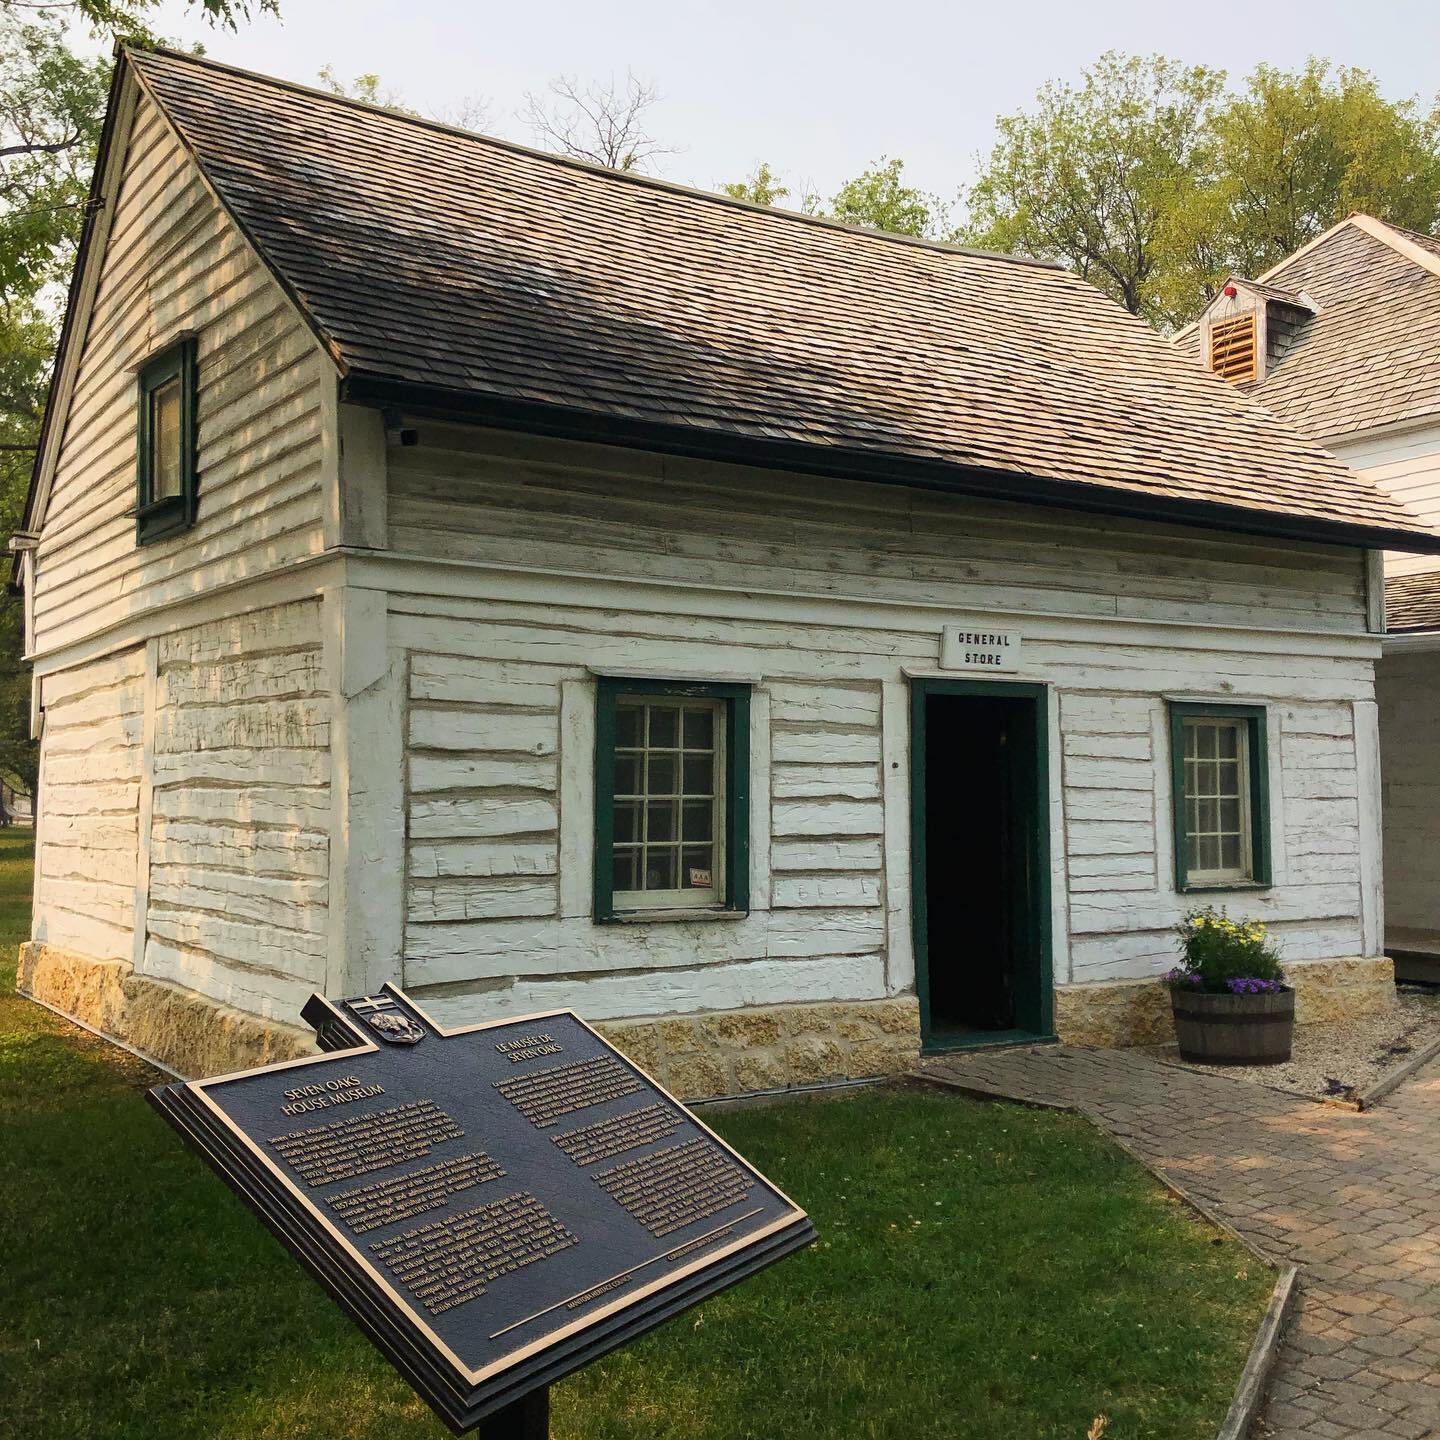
pixel 979 782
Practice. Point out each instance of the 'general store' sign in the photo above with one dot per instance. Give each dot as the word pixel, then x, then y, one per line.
pixel 978 646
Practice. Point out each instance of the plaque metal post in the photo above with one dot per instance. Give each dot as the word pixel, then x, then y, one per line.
pixel 527 1418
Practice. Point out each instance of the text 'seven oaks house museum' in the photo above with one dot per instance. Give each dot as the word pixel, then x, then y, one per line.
pixel 548 587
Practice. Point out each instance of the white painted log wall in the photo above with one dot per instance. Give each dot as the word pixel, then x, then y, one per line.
pixel 87 844
pixel 240 830
pixel 762 575
pixel 1407 464
pixel 517 502
pixel 175 265
pixel 1407 686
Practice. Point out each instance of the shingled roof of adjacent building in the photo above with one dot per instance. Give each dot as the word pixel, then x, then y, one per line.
pixel 1412 602
pixel 1370 356
pixel 445 270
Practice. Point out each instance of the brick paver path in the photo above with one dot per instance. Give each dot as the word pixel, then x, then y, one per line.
pixel 1353 1199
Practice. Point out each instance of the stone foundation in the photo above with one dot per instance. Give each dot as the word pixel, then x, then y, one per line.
pixel 1114 1013
pixel 730 1052
pixel 182 1029
pixel 736 1052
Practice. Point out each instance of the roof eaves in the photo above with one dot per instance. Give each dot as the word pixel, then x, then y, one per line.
pixel 562 422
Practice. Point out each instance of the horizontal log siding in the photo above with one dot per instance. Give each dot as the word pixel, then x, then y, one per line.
pixel 469 494
pixel 88 839
pixel 175 264
pixel 240 830
pixel 498 912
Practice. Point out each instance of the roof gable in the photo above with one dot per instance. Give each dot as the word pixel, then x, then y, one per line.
pixel 435 263
pixel 1370 357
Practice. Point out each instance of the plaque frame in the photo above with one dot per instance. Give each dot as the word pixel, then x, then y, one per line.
pixel 460 1394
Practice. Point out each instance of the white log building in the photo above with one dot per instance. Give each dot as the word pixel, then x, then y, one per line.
pixel 548 587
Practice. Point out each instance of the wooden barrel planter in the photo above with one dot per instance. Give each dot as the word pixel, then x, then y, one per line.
pixel 1234 1029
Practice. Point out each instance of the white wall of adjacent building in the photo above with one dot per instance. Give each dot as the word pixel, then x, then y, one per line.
pixel 1406 462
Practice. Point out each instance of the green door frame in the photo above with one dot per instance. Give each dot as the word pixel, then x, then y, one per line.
pixel 1040 918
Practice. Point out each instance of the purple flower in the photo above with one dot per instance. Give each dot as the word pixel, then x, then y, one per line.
pixel 1252 985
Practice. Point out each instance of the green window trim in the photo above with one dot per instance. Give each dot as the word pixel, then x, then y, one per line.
pixel 1257 741
pixel 156 519
pixel 736 850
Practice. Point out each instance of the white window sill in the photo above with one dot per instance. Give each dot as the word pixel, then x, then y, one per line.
pixel 673 916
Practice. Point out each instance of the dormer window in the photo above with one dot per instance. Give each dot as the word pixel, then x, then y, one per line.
pixel 1232 348
pixel 165 479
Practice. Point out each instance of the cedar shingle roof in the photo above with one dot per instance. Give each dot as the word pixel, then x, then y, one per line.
pixel 1371 355
pixel 426 257
pixel 1412 602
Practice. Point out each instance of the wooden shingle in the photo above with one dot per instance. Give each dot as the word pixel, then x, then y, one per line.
pixel 458 269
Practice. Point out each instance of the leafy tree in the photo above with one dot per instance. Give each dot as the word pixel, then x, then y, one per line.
pixel 1155 183
pixel 1297 151
pixel 1099 174
pixel 761 186
pixel 879 199
pixel 116 18
pixel 366 88
pixel 52 102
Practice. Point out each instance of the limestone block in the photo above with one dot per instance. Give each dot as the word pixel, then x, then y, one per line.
pixel 640 1043
pixel 761 1070
pixel 900 1016
pixel 1114 1013
pixel 887 1056
pixel 740 1028
pixel 679 1036
pixel 695 1076
pixel 812 1058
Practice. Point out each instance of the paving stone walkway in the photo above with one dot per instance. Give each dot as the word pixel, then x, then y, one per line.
pixel 1354 1199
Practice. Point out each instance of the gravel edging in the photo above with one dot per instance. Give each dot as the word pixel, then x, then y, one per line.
pixel 1249 1395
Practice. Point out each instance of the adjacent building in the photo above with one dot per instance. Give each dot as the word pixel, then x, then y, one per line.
pixel 547 587
pixel 1342 342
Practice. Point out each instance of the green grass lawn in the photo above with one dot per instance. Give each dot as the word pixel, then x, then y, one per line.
pixel 983 1271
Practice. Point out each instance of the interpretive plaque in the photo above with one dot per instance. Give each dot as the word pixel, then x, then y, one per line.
pixel 494 1205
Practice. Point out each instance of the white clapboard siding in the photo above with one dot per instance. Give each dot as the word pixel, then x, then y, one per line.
pixel 466 494
pixel 240 810
pixel 1408 466
pixel 88 842
pixel 174 264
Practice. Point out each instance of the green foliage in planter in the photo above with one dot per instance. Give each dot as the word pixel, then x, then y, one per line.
pixel 1221 956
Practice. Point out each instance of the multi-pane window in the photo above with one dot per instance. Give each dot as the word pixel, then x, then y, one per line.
pixel 671 797
pixel 669 800
pixel 1216 799
pixel 1219 775
pixel 165 480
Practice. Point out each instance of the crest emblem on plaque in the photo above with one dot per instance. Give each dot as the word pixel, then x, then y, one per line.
pixel 395 1028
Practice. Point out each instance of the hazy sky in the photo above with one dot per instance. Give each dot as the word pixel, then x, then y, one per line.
pixel 820 91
